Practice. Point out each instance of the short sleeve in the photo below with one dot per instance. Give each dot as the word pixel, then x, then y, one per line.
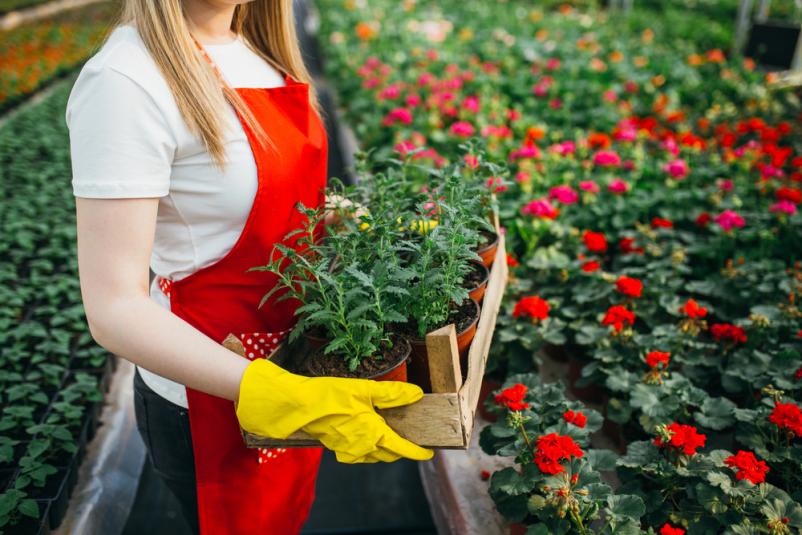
pixel 120 143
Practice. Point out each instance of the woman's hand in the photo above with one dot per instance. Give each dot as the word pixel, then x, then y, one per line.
pixel 339 412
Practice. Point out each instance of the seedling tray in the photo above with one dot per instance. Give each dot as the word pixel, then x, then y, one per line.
pixel 444 418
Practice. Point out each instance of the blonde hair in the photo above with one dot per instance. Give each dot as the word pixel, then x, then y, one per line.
pixel 267 27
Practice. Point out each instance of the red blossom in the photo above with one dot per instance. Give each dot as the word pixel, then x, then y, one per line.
pixel 511 261
pixel 785 193
pixel 553 448
pixel 683 437
pixel 747 467
pixel 513 398
pixel 595 241
pixel 576 418
pixel 798 373
pixel 629 286
pixel 659 222
pixel 727 332
pixel 654 358
pixel 703 219
pixel 668 529
pixel 692 309
pixel 532 306
pixel 627 246
pixel 617 316
pixel 787 416
pixel 590 266
pixel 485 475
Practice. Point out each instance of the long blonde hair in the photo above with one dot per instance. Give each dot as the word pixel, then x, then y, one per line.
pixel 267 26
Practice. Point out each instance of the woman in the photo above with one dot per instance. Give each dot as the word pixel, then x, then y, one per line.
pixel 194 132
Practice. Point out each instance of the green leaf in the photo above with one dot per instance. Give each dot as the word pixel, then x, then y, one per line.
pixel 626 505
pixel 29 507
pixel 717 413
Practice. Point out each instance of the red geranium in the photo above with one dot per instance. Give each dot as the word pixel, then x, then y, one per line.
pixel 595 241
pixel 576 418
pixel 787 416
pixel 627 246
pixel 590 266
pixel 659 222
pixel 682 437
pixel 617 316
pixel 553 448
pixel 785 193
pixel 668 529
pixel 727 332
pixel 532 306
pixel 798 373
pixel 747 467
pixel 511 261
pixel 703 219
pixel 513 398
pixel 692 309
pixel 629 286
pixel 654 358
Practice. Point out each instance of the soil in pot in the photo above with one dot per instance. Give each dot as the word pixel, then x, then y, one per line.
pixel 476 281
pixel 391 365
pixel 465 317
pixel 488 245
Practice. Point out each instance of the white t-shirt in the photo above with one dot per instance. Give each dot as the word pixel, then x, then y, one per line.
pixel 128 139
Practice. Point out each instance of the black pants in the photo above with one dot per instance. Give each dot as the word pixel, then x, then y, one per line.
pixel 164 427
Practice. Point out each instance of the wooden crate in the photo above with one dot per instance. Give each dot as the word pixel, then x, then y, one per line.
pixel 444 418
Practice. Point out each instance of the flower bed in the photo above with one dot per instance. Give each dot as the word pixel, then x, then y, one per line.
pixel 53 374
pixel 652 211
pixel 35 53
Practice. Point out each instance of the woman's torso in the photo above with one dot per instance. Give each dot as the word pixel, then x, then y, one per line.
pixel 205 209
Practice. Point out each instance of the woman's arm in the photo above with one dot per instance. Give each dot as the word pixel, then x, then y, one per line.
pixel 115 238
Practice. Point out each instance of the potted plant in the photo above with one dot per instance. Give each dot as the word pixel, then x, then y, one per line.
pixel 346 297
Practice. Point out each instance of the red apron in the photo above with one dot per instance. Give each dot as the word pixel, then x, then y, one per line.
pixel 241 490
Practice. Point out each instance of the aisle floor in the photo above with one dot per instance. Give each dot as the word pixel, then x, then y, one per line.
pixel 382 498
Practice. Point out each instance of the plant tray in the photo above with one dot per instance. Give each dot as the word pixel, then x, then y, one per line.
pixel 444 418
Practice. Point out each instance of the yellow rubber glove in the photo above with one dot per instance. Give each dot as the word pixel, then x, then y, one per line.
pixel 339 412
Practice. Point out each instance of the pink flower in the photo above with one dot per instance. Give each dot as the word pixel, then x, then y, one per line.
pixel 425 79
pixel 617 186
pixel 610 96
pixel 541 89
pixel 728 219
pixel 606 158
pixel 412 100
pixel 390 92
pixel 670 144
pixel 398 115
pixel 555 104
pixel 553 64
pixel 626 134
pixel 471 161
pixel 527 151
pixel 462 129
pixel 589 186
pixel 522 177
pixel 563 149
pixel 785 207
pixel 726 185
pixel 471 104
pixel 676 168
pixel 496 184
pixel 404 147
pixel 540 208
pixel 564 194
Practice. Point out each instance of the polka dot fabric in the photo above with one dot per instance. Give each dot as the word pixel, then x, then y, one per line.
pixel 257 345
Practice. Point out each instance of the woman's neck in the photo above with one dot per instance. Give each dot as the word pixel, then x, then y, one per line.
pixel 210 23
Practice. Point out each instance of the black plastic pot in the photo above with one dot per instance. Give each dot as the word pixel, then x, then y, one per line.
pixel 773 43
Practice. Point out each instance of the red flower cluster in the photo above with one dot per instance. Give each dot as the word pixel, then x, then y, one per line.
pixel 659 222
pixel 787 416
pixel 798 373
pixel 553 448
pixel 532 306
pixel 590 266
pixel 595 241
pixel 727 332
pixel 683 437
pixel 692 309
pixel 617 316
pixel 668 529
pixel 627 246
pixel 576 418
pixel 654 358
pixel 513 398
pixel 748 467
pixel 629 286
